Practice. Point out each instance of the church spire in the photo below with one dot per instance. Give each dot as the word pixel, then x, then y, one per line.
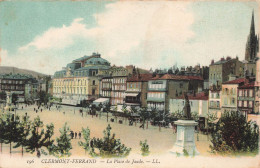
pixel 252 28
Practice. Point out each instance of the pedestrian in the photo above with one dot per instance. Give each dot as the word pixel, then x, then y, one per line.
pixel 71 134
pixel 33 109
pixel 79 134
pixel 22 107
pixel 64 112
pixel 38 153
pixel 41 109
pixel 75 135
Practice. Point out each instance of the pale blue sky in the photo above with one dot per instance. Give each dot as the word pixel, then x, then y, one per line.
pixel 45 36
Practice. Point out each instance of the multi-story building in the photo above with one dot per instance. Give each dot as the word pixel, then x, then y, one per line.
pixel 31 90
pixel 229 94
pixel 163 88
pixel 220 71
pixel 119 77
pixel 198 104
pixel 79 81
pixel 14 83
pixel 106 87
pixel 257 86
pixel 215 100
pixel 136 93
pixel 246 98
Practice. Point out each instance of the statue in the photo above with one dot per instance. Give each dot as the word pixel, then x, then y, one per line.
pixel 186 108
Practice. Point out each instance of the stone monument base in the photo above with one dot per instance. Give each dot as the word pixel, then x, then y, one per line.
pixel 185 141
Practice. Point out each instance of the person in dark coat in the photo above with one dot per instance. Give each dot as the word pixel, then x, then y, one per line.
pixel 79 134
pixel 75 135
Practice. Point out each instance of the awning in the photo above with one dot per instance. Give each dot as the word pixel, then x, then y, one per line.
pixel 132 94
pixel 101 100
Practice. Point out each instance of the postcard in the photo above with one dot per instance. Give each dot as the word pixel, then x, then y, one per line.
pixel 129 84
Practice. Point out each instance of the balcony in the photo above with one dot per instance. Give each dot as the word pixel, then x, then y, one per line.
pixel 157 89
pixel 155 99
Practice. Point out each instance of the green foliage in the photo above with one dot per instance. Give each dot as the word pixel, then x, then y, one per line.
pixel 185 152
pixel 63 143
pixel 212 117
pixel 43 97
pixel 233 135
pixel 144 148
pixel 176 114
pixel 38 137
pixel 108 146
pixel 86 137
pixel 195 116
pixel 14 98
pixel 23 130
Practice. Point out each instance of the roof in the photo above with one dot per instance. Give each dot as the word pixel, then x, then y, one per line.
pixel 92 67
pixel 140 78
pixel 236 81
pixel 81 58
pixel 247 86
pixel 198 96
pixel 15 76
pixel 177 77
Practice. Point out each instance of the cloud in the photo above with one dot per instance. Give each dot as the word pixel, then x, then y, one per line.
pixel 125 32
pixel 57 38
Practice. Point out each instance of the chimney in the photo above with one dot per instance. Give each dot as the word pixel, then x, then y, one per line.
pixel 228 58
pixel 212 61
pixel 222 59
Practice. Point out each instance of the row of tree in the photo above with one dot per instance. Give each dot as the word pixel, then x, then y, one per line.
pixel 35 137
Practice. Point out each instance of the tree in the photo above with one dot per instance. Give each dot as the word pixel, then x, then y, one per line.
pixel 144 115
pixel 39 138
pixel 125 111
pixel 108 146
pixel 14 98
pixel 144 148
pixel 23 131
pixel 43 97
pixel 63 143
pixel 3 129
pixel 234 134
pixel 107 109
pixel 86 136
pixel 93 109
pixel 11 130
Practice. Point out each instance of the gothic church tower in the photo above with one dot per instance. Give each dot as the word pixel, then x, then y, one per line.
pixel 252 45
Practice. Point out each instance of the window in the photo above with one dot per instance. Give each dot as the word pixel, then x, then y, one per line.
pixel 181 85
pixel 245 103
pixel 217 95
pixel 233 100
pixel 250 93
pixel 240 92
pixel 217 103
pixel 250 104
pixel 240 104
pixel 93 82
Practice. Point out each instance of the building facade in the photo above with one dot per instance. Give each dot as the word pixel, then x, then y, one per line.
pixel 246 98
pixel 15 83
pixel 220 71
pixel 136 93
pixel 79 81
pixel 215 94
pixel 163 88
pixel 198 104
pixel 230 94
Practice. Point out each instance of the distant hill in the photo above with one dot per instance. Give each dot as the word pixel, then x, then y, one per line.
pixel 7 70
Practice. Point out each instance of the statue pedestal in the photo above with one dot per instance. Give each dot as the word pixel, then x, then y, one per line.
pixel 185 142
